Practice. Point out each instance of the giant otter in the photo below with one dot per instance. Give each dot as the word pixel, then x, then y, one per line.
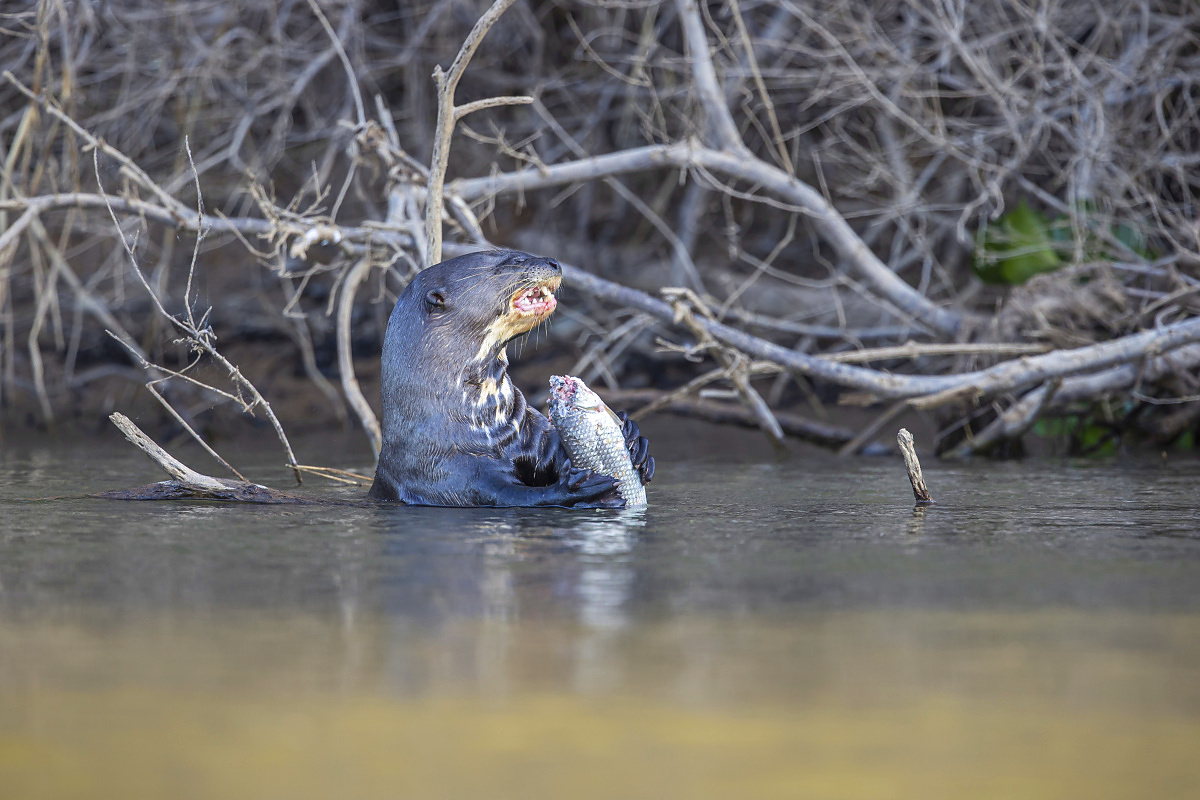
pixel 456 432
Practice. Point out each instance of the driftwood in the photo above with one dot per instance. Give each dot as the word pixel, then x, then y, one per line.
pixel 187 484
pixel 913 466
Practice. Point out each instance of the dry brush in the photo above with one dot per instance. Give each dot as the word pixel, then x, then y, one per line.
pixel 768 207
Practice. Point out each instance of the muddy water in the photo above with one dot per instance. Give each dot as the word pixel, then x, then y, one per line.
pixel 762 630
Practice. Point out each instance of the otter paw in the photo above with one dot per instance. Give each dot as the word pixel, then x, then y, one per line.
pixel 638 446
pixel 629 428
pixel 646 469
pixel 593 489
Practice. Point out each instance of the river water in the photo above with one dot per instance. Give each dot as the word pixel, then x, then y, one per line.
pixel 764 629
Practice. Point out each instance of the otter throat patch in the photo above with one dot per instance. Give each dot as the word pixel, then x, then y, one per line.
pixel 527 307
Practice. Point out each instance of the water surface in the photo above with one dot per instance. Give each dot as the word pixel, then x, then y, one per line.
pixel 763 629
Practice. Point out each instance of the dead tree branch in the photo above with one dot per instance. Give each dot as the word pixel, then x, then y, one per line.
pixel 823 174
pixel 350 385
pixel 781 188
pixel 448 116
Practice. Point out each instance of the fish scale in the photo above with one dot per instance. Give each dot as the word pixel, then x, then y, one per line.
pixel 594 436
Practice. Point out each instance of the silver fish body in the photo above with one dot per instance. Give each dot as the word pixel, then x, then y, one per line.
pixel 593 436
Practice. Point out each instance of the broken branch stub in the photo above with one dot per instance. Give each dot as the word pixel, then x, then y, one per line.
pixel 913 465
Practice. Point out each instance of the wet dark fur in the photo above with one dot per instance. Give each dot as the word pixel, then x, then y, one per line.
pixel 456 432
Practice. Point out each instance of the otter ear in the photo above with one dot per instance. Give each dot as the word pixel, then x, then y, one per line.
pixel 435 300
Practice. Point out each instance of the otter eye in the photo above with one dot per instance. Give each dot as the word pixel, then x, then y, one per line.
pixel 435 300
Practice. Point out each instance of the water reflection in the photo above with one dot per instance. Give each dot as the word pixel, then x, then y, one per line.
pixel 916 523
pixel 607 575
pixel 775 626
pixel 441 569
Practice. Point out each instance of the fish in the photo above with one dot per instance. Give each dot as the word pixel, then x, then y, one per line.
pixel 594 436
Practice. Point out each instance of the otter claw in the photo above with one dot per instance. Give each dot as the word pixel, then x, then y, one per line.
pixel 634 441
pixel 647 470
pixel 638 452
pixel 594 489
pixel 638 446
pixel 580 479
pixel 629 428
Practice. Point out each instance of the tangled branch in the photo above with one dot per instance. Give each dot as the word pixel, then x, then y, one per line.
pixel 829 180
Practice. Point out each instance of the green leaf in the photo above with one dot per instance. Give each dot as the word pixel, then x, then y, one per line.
pixel 1096 439
pixel 1020 245
pixel 1132 238
pixel 1052 427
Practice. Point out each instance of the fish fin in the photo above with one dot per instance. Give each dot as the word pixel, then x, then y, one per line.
pixel 612 416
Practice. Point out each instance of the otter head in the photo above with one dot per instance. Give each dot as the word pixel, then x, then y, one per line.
pixel 461 313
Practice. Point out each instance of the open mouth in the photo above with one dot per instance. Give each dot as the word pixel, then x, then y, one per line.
pixel 536 301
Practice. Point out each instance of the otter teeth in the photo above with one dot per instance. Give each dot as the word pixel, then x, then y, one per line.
pixel 534 299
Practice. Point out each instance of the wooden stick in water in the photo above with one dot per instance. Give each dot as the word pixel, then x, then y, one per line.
pixel 909 451
pixel 191 485
pixel 182 473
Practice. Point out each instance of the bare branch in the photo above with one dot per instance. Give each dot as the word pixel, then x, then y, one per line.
pixel 448 114
pixel 1010 375
pixel 721 128
pixel 739 166
pixel 490 102
pixel 350 385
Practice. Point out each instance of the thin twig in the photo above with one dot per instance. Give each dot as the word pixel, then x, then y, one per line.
pixel 203 339
pixel 191 431
pixel 337 475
